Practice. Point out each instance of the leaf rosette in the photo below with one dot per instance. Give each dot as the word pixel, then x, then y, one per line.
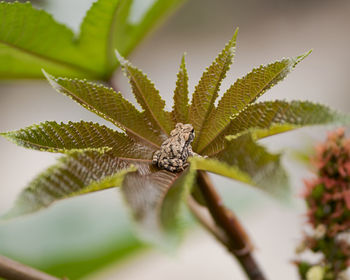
pixel 97 157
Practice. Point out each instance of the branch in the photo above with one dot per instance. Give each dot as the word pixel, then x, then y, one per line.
pixel 12 270
pixel 228 230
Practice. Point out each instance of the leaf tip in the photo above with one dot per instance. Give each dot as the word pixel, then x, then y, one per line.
pixel 306 54
pixel 120 58
pixel 183 61
pixel 47 75
pixel 235 33
pixel 302 57
pixel 232 42
pixel 8 136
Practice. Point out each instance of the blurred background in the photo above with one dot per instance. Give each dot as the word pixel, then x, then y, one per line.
pixel 91 237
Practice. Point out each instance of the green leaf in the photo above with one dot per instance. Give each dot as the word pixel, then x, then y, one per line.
pixel 63 138
pixel 243 92
pixel 263 168
pixel 272 117
pixel 174 205
pixel 109 105
pixel 208 87
pixel 155 202
pixel 221 168
pixel 98 32
pixel 54 137
pixel 258 133
pixel 31 39
pixel 75 174
pixel 137 17
pixel 181 106
pixel 109 25
pixel 147 96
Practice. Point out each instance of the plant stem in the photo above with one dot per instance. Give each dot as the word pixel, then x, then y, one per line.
pixel 12 270
pixel 230 231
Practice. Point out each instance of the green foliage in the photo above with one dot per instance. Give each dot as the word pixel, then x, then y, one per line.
pixel 243 92
pixel 181 106
pixel 226 133
pixel 147 96
pixel 31 39
pixel 54 137
pixel 171 212
pixel 208 87
pixel 272 117
pixel 264 168
pixel 98 32
pixel 109 105
pixel 221 168
pixel 244 160
pixel 76 174
pixel 131 30
pixel 155 200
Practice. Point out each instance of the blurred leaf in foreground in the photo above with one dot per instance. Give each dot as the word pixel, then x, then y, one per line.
pixel 31 39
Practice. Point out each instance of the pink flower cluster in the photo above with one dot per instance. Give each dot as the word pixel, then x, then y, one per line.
pixel 328 200
pixel 328 195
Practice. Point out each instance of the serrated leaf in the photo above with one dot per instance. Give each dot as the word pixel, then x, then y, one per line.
pixel 63 138
pixel 181 105
pixel 264 169
pixel 272 117
pixel 31 39
pixel 147 96
pixel 109 105
pixel 155 200
pixel 208 87
pixel 75 174
pixel 243 92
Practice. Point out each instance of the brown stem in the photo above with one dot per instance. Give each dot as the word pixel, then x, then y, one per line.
pixel 235 238
pixel 12 270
